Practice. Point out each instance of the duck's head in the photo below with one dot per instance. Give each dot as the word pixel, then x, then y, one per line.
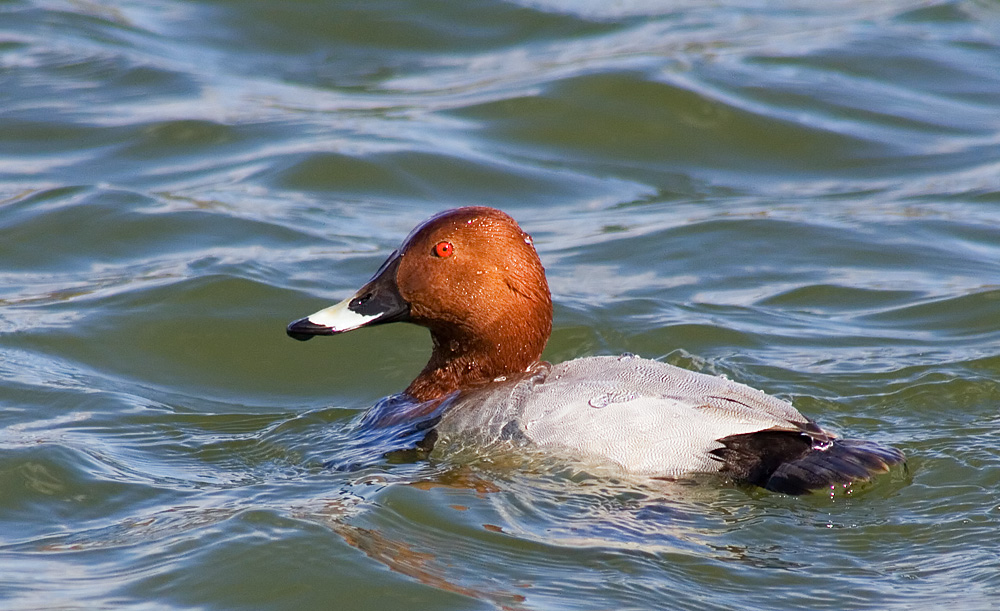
pixel 472 277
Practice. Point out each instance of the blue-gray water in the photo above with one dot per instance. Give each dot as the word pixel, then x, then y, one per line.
pixel 802 196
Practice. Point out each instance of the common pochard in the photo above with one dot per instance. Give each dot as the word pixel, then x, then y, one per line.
pixel 473 278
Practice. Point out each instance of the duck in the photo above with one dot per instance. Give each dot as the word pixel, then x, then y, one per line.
pixel 474 279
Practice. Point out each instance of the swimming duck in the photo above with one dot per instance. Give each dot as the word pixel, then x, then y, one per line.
pixel 473 278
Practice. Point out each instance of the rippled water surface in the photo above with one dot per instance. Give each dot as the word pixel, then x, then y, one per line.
pixel 802 196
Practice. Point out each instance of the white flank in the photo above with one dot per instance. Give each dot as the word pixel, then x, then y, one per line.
pixel 340 318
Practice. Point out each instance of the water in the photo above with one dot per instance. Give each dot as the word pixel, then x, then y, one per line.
pixel 802 197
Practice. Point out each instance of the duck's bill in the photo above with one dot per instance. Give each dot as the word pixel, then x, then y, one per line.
pixel 377 302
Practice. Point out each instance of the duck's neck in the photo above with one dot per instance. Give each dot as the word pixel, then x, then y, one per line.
pixel 465 360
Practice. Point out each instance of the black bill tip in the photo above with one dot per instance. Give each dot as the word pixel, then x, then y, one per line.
pixel 304 329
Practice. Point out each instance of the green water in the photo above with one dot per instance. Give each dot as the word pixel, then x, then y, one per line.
pixel 804 197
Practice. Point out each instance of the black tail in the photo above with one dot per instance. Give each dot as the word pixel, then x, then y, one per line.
pixel 842 462
pixel 794 463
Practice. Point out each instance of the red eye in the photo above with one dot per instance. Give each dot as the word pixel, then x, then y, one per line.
pixel 444 249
